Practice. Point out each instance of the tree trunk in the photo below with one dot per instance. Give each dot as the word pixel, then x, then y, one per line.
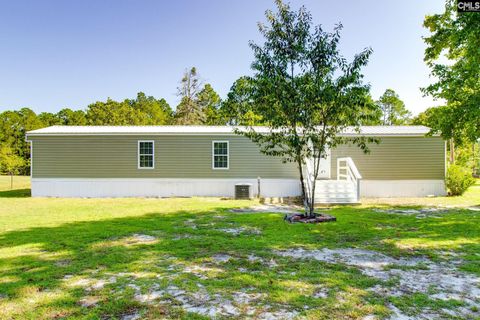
pixel 475 162
pixel 11 180
pixel 304 194
pixel 316 167
pixel 312 204
pixel 452 151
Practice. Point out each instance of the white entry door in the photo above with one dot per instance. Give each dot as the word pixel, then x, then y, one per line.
pixel 324 171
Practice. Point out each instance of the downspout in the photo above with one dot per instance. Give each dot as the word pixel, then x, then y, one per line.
pixel 31 157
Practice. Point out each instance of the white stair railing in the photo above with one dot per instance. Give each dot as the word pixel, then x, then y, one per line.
pixel 347 171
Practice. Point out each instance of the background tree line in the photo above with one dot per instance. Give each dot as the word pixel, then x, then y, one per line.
pixel 199 104
pixel 453 36
pixel 453 56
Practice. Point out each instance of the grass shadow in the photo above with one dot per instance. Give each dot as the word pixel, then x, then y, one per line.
pixel 34 255
pixel 15 193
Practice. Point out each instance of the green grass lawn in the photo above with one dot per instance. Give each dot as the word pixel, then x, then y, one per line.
pixel 21 186
pixel 194 259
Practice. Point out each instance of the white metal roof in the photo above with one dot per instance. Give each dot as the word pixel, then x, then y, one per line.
pixel 207 130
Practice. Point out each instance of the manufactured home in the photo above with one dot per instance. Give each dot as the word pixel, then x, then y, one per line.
pixel 179 161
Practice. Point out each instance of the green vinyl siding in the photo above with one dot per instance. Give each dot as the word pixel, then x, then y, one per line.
pixel 397 158
pixel 176 156
pixel 190 156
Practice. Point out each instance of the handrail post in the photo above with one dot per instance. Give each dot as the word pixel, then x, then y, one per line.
pixel 338 168
pixel 351 173
pixel 358 190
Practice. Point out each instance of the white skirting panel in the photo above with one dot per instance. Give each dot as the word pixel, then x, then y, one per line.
pixel 401 188
pixel 113 188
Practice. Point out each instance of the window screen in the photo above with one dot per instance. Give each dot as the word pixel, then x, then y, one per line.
pixel 145 154
pixel 220 155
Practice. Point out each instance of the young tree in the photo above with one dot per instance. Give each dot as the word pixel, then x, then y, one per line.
pixel 209 102
pixel 189 111
pixel 307 92
pixel 49 119
pixel 456 37
pixel 152 111
pixel 10 162
pixel 393 109
pixel 238 108
pixel 68 117
pixel 13 126
pixel 112 113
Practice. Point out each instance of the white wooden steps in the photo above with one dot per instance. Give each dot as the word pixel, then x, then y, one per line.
pixel 335 191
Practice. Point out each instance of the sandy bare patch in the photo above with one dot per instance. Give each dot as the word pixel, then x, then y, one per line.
pixel 131 316
pixel 141 238
pixel 133 240
pixel 246 304
pixel 241 230
pixel 202 271
pixel 442 281
pixel 221 258
pixel 321 293
pixel 253 258
pixel 89 301
pixel 430 212
pixel 89 284
pixel 182 236
pixel 268 208
pixel 190 223
pixel 63 263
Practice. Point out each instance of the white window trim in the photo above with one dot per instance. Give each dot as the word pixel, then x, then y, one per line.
pixel 213 154
pixel 153 155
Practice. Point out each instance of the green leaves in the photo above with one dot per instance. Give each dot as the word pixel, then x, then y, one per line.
pixel 455 37
pixel 393 109
pixel 10 162
pixel 141 111
pixel 144 110
pixel 199 105
pixel 302 89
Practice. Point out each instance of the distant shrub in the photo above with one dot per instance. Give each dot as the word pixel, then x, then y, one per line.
pixel 458 180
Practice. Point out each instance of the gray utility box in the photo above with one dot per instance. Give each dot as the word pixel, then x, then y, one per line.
pixel 242 190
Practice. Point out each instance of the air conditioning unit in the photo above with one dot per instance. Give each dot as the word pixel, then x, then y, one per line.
pixel 242 191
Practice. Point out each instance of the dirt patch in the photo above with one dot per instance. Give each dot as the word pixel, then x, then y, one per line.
pixel 241 230
pixel 63 263
pixel 221 258
pixel 321 293
pixel 190 223
pixel 215 305
pixel 422 213
pixel 202 271
pixel 89 284
pixel 142 238
pixel 89 302
pixel 183 236
pixel 268 208
pixel 132 240
pixel 441 281
pixel 131 316
pixel 253 258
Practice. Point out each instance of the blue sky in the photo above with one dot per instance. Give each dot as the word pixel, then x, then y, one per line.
pixel 56 53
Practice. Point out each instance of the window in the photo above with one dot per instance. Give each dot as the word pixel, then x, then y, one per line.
pixel 220 155
pixel 145 155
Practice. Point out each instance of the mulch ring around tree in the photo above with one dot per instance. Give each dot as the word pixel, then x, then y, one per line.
pixel 303 218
